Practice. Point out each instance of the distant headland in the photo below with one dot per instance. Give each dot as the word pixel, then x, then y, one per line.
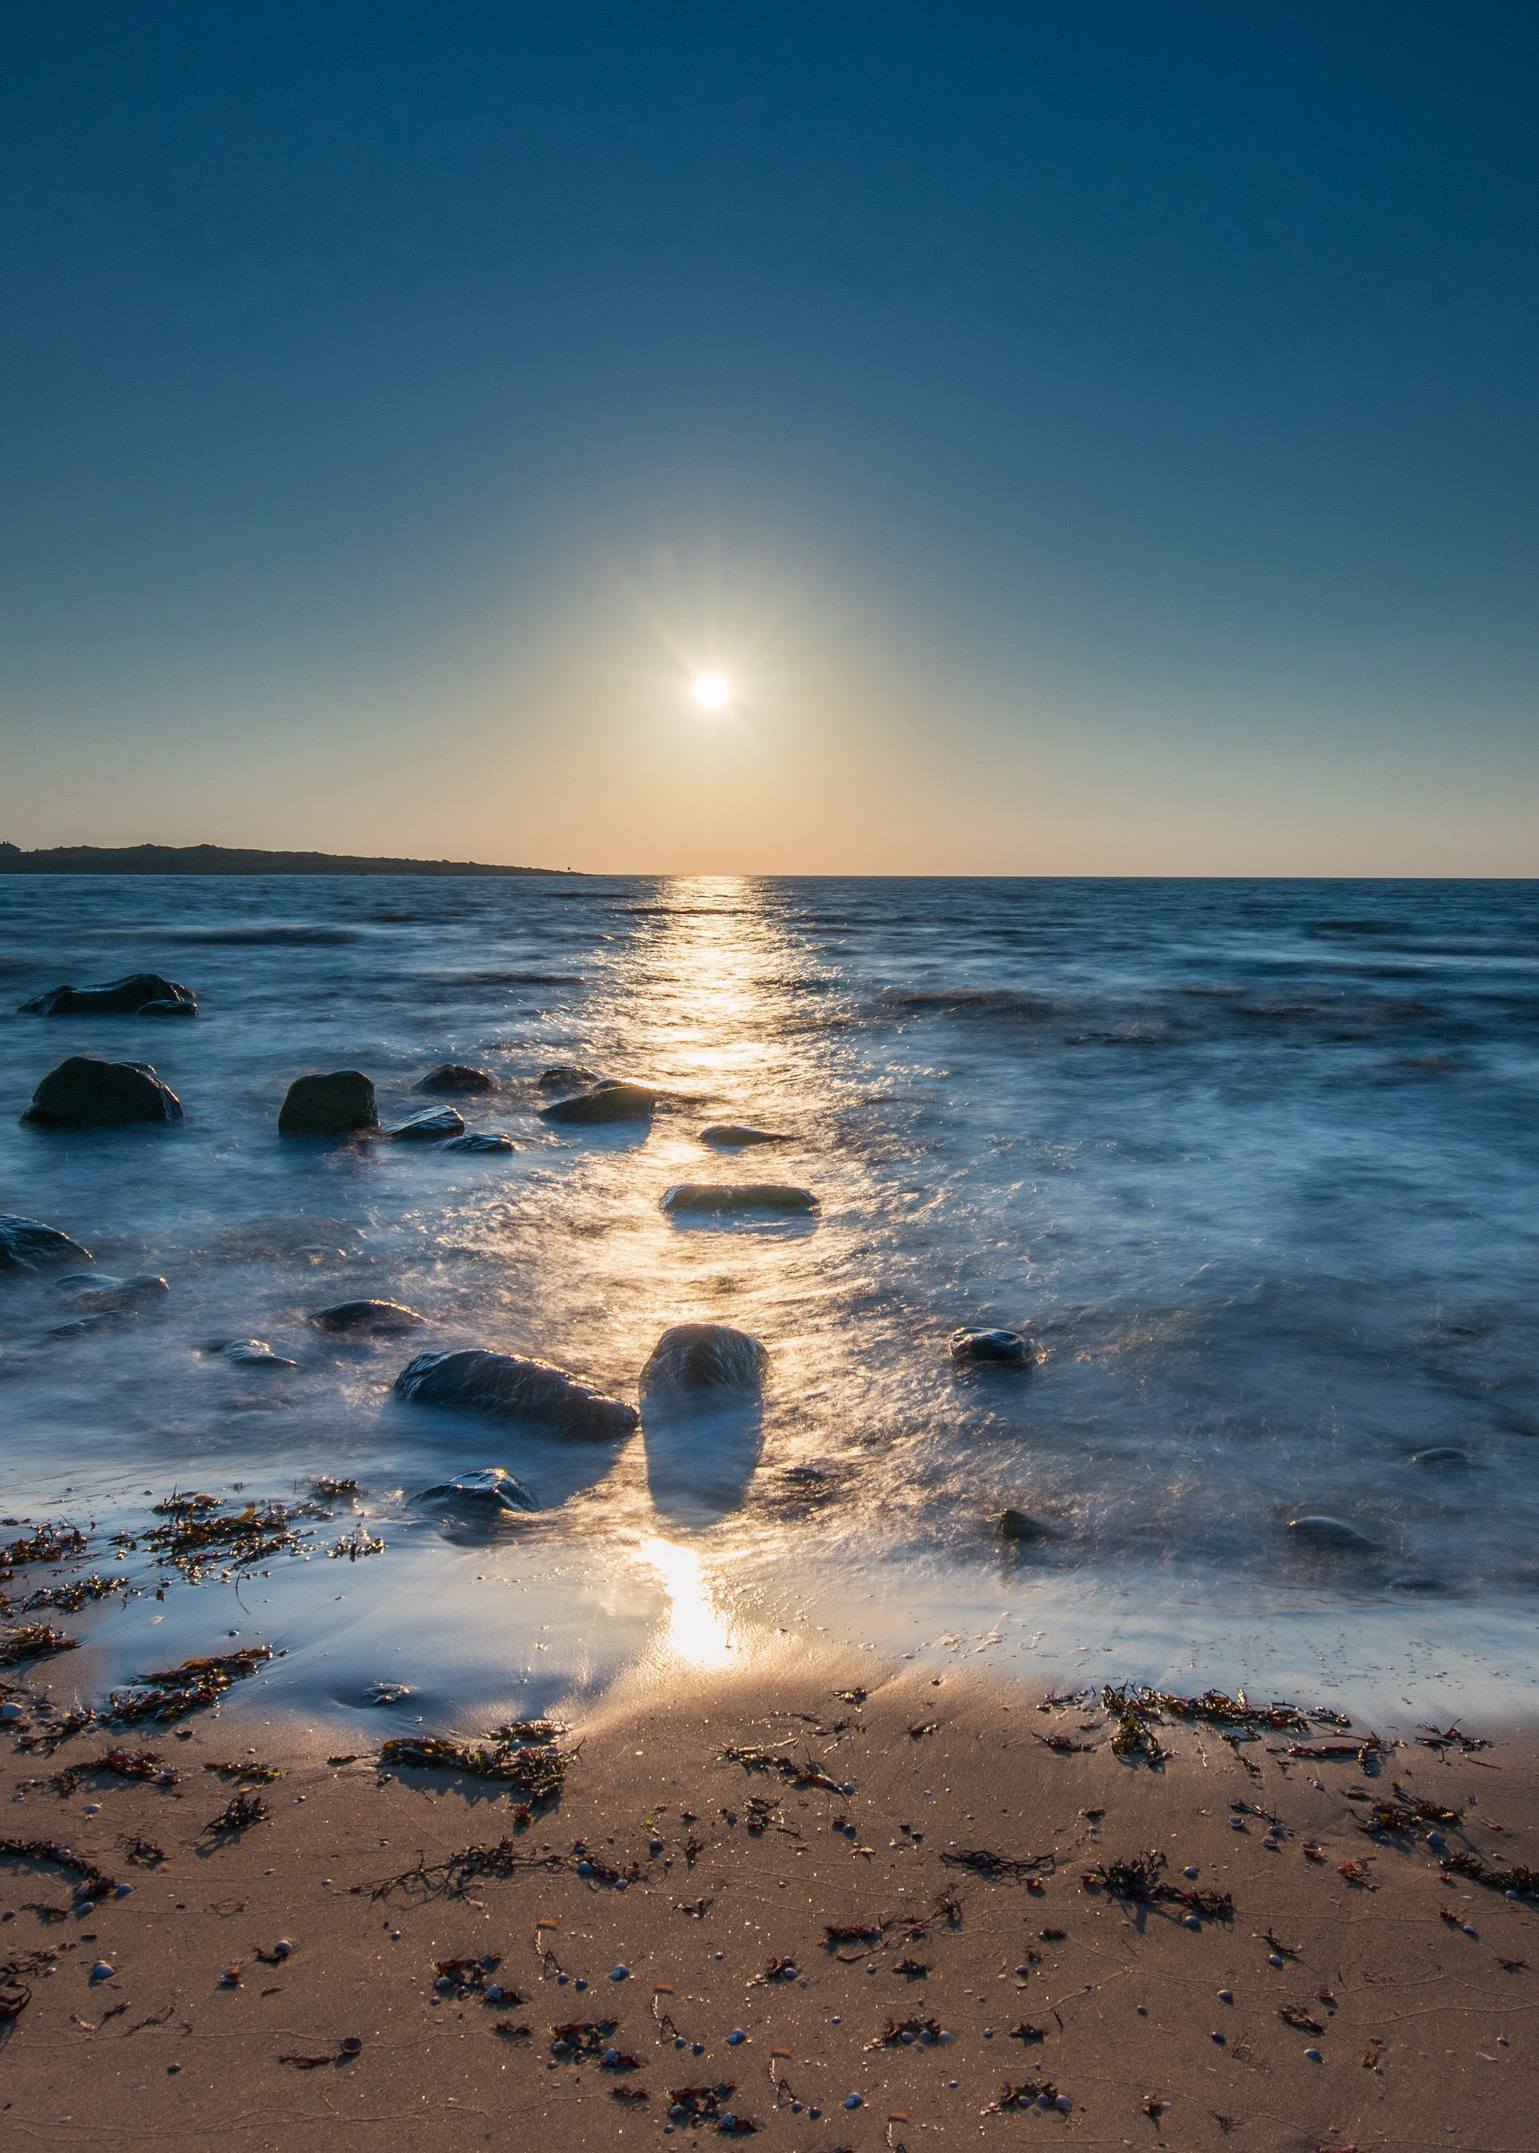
pixel 230 860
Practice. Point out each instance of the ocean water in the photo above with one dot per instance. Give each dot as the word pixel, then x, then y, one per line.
pixel 1256 1164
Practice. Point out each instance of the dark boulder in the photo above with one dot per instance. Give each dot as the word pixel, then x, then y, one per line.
pixel 29 1245
pixel 708 1197
pixel 737 1135
pixel 567 1076
pixel 487 1488
pixel 431 1126
pixel 479 1140
pixel 705 1356
pixel 1022 1529
pixel 607 1102
pixel 250 1353
pixel 455 1077
pixel 1005 1349
pixel 369 1319
pixel 99 1292
pixel 84 1093
pixel 141 994
pixel 334 1105
pixel 512 1388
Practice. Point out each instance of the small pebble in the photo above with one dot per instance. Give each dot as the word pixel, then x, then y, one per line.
pixel 1190 1870
pixel 854 2100
pixel 736 2037
pixel 1192 1922
pixel 1226 1995
pixel 1275 1959
pixel 619 1973
pixel 1312 2055
pixel 102 1971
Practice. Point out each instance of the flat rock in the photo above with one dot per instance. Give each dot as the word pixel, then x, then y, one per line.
pixel 479 1140
pixel 705 1356
pixel 695 1197
pixel 336 1104
pixel 456 1077
pixel 84 1093
pixel 98 1290
pixel 1000 1349
pixel 29 1245
pixel 431 1126
pixel 369 1319
pixel 141 994
pixel 249 1353
pixel 512 1388
pixel 488 1487
pixel 1319 1531
pixel 1022 1528
pixel 737 1135
pixel 607 1102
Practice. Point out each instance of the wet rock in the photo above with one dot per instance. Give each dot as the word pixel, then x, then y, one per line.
pixel 456 1077
pixel 1325 1532
pixel 249 1353
pixel 84 1093
pixel 1021 1528
pixel 705 1197
pixel 1002 1349
pixel 367 1319
pixel 141 994
pixel 736 1135
pixel 1443 1458
pixel 489 1487
pixel 512 1388
pixel 333 1105
pixel 430 1127
pixel 567 1076
pixel 705 1356
pixel 607 1102
pixel 98 1291
pixel 479 1140
pixel 29 1245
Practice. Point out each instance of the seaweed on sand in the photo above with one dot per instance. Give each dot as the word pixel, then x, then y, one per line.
pixel 902 2032
pixel 167 1694
pixel 93 1882
pixel 1026 2094
pixel 798 1772
pixel 353 1546
pixel 69 1597
pixel 256 1775
pixel 983 1861
pixel 534 1770
pixel 1138 1711
pixel 32 1641
pixel 1397 1819
pixel 1516 1877
pixel 140 1764
pixel 1140 1880
pixel 238 1815
pixel 708 2104
pixel 45 1543
pixel 238 1538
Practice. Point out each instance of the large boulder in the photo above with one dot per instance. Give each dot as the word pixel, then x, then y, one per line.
pixel 334 1105
pixel 141 994
pixel 705 1356
pixel 511 1388
pixel 712 1197
pixel 455 1077
pixel 29 1245
pixel 607 1102
pixel 84 1093
pixel 367 1319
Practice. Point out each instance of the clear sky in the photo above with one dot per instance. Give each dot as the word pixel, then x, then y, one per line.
pixel 1087 439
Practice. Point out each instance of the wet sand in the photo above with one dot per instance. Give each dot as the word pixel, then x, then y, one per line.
pixel 273 1986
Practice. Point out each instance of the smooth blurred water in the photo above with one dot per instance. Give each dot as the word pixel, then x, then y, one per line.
pixel 1255 1162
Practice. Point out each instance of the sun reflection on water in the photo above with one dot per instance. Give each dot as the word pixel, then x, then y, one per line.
pixel 696 1630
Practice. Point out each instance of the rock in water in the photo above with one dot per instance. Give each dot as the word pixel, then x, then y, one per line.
pixel 431 1126
pixel 718 1196
pixel 736 1135
pixel 705 1356
pixel 252 1353
pixel 456 1077
pixel 142 994
pixel 489 1487
pixel 512 1388
pixel 1315 1531
pixel 479 1140
pixel 1022 1528
pixel 334 1105
pixel 567 1076
pixel 84 1093
pixel 1006 1349
pixel 29 1245
pixel 1445 1457
pixel 370 1319
pixel 96 1290
pixel 604 1103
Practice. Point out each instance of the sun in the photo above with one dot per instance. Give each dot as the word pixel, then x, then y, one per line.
pixel 711 691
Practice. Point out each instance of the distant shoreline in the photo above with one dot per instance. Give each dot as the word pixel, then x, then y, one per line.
pixel 231 860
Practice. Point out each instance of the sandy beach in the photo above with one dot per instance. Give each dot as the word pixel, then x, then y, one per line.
pixel 829 1907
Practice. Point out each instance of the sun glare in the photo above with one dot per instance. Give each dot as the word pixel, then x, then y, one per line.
pixel 711 691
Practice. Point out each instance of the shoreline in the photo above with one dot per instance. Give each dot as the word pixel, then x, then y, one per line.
pixel 947 1822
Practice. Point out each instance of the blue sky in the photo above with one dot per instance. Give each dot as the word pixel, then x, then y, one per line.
pixel 1089 440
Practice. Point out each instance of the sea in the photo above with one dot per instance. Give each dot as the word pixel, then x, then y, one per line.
pixel 1253 1164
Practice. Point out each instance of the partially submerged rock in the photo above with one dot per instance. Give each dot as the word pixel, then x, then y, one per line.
pixel 1002 1349
pixel 336 1104
pixel 607 1102
pixel 1021 1528
pixel 708 1197
pixel 369 1319
pixel 456 1077
pixel 249 1353
pixel 85 1093
pixel 737 1135
pixel 567 1076
pixel 479 1140
pixel 1316 1530
pixel 705 1356
pixel 1443 1457
pixel 141 994
pixel 431 1126
pixel 29 1245
pixel 512 1388
pixel 488 1487
pixel 99 1291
